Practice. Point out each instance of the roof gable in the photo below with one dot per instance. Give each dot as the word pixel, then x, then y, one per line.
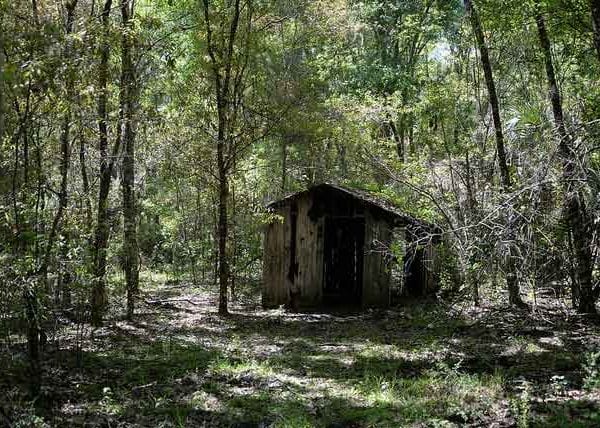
pixel 364 197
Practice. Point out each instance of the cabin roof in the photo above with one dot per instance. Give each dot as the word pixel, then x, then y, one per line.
pixel 365 198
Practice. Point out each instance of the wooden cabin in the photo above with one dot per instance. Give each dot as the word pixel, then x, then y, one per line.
pixel 330 245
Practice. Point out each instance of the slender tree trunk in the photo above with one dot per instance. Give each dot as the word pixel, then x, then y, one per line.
pixel 63 295
pixel 575 209
pixel 512 283
pixel 2 88
pixel 26 156
pixel 40 205
pixel 215 241
pixel 102 231
pixel 233 273
pixel 22 130
pixel 34 331
pixel 128 183
pixel 284 155
pixel 398 137
pixel 14 193
pixel 33 342
pixel 595 5
pixel 222 227
pixel 36 16
pixel 491 87
pixel 65 150
pixel 222 65
pixel 85 183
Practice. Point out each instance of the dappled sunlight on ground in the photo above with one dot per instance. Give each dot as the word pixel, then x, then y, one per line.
pixel 180 364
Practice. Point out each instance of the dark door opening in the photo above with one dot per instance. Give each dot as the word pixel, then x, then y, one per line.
pixel 343 264
pixel 413 274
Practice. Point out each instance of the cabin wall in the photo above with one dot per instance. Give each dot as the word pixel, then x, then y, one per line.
pixel 377 269
pixel 274 261
pixel 300 285
pixel 309 255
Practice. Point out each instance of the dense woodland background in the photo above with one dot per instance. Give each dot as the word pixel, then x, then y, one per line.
pixel 142 138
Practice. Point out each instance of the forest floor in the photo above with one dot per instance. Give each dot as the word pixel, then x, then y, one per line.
pixel 420 365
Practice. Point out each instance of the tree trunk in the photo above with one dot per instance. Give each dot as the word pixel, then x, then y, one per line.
pixel 221 59
pixel 491 87
pixel 398 137
pixel 65 149
pixel 128 183
pixel 512 283
pixel 576 214
pixel 222 229
pixel 65 279
pixel 595 5
pixel 36 15
pixel 26 155
pixel 284 155
pixel 33 342
pixel 2 88
pixel 85 183
pixel 35 333
pixel 233 272
pixel 106 166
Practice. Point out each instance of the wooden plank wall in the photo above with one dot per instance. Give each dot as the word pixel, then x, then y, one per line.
pixel 377 273
pixel 274 292
pixel 309 255
pixel 308 284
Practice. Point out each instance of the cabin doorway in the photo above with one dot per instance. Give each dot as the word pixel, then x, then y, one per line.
pixel 343 260
pixel 413 271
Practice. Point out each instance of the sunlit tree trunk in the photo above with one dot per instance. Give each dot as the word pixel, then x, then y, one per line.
pixel 575 209
pixel 492 93
pixel 128 182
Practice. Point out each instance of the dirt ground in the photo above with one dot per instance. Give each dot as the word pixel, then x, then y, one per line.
pixel 418 365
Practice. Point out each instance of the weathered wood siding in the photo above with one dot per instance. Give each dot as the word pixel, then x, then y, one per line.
pixel 274 263
pixel 302 287
pixel 307 284
pixel 377 273
pixel 309 255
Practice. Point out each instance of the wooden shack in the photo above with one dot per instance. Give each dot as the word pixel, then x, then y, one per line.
pixel 330 245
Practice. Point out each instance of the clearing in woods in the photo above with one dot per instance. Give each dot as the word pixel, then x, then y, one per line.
pixel 420 365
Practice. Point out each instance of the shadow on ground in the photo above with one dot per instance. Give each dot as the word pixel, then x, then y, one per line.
pixel 180 364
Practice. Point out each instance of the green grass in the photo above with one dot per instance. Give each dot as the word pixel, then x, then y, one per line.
pixel 183 366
